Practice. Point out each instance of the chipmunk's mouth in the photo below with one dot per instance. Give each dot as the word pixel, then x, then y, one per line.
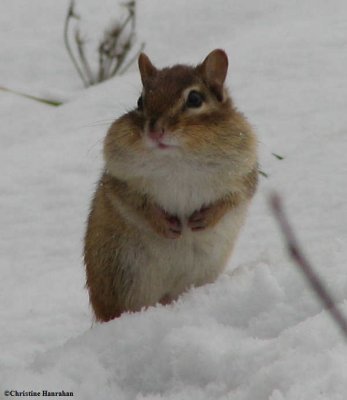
pixel 161 141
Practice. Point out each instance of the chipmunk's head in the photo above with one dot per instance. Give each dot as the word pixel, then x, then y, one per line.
pixel 179 103
pixel 184 114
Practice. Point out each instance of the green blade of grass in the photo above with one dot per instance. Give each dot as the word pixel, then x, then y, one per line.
pixel 264 174
pixel 53 103
pixel 278 156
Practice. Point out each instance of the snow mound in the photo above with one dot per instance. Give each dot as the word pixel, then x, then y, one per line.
pixel 240 337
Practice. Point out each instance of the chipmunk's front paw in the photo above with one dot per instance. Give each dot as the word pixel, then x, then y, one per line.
pixel 201 219
pixel 167 225
pixel 173 227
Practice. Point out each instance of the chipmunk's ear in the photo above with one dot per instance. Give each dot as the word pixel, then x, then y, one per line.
pixel 147 69
pixel 214 71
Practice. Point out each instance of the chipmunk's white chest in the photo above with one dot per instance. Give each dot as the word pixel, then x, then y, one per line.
pixel 182 189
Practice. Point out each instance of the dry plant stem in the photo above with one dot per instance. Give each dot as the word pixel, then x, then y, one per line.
pixel 122 56
pixel 101 69
pixel 298 256
pixel 119 62
pixel 113 50
pixel 71 14
pixel 132 60
pixel 82 56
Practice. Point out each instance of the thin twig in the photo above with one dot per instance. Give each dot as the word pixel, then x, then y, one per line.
pixel 83 59
pixel 71 14
pixel 128 45
pixel 298 256
pixel 101 65
pixel 120 59
pixel 125 23
pixel 131 61
pixel 113 50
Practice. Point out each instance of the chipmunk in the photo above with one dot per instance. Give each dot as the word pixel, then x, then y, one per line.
pixel 180 170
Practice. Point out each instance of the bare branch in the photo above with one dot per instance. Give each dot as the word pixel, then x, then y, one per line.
pixel 113 50
pixel 71 14
pixel 298 256
pixel 131 61
pixel 121 57
pixel 83 59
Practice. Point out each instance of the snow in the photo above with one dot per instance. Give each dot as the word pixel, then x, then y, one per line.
pixel 258 332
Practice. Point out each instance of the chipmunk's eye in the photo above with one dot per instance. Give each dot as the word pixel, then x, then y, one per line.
pixel 195 99
pixel 140 103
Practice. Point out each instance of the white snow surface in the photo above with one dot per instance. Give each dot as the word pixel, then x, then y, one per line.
pixel 258 332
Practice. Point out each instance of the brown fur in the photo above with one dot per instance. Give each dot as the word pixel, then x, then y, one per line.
pixel 131 217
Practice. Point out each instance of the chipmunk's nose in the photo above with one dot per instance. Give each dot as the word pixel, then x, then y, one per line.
pixel 155 131
pixel 156 134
